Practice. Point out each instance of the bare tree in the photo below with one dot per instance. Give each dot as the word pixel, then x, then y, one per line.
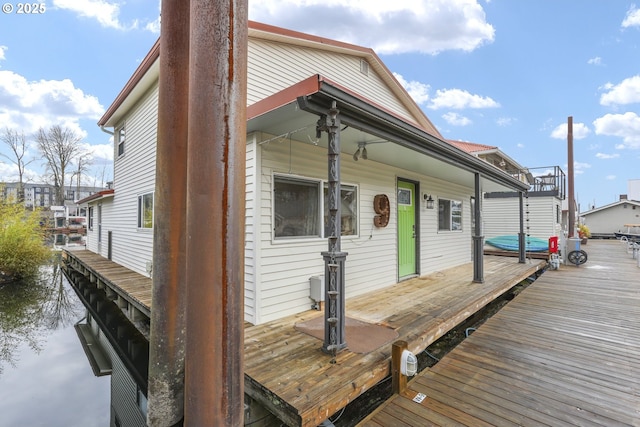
pixel 59 147
pixel 83 161
pixel 17 142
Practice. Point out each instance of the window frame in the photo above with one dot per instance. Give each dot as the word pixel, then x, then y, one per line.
pixel 141 209
pixel 322 185
pixel 120 137
pixel 452 213
pixel 90 218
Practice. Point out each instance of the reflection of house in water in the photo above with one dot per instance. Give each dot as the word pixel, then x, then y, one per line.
pixel 114 346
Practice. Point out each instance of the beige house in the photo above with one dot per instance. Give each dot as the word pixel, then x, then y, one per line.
pixel 407 195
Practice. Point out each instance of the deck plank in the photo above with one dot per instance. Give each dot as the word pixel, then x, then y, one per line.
pixel 566 351
pixel 285 369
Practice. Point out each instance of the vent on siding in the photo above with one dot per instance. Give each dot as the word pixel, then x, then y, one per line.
pixel 364 67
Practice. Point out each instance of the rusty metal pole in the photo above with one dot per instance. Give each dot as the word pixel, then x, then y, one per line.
pixel 572 201
pixel 167 339
pixel 214 374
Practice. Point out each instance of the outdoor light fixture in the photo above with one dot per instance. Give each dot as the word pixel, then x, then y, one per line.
pixel 427 198
pixel 361 151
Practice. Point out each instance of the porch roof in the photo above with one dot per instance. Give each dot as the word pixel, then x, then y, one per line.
pixel 295 110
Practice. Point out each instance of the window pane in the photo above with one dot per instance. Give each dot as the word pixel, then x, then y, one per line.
pixel 145 211
pixel 456 215
pixel 147 220
pixel 349 210
pixel 444 214
pixel 296 206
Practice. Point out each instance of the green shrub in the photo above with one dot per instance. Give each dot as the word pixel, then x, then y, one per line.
pixel 22 243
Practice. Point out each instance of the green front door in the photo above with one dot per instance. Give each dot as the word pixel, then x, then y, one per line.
pixel 407 233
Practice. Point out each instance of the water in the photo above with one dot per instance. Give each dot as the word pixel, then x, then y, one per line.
pixel 45 376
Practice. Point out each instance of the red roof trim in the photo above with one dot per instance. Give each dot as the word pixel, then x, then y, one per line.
pixel 285 96
pixel 98 195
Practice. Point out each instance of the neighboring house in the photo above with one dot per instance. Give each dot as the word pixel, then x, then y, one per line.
pixel 390 151
pixel 542 202
pixel 608 219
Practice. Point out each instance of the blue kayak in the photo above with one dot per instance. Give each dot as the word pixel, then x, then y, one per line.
pixel 510 243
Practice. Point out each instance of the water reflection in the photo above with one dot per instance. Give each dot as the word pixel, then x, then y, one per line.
pixel 114 346
pixel 29 310
pixel 45 379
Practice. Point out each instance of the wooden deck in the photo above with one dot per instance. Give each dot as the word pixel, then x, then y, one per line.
pixel 286 370
pixel 128 285
pixel 564 352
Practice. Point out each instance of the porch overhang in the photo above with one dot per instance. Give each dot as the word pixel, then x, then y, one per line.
pixel 359 114
pixel 399 141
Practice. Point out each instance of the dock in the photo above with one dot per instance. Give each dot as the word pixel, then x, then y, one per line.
pixel 564 352
pixel 285 369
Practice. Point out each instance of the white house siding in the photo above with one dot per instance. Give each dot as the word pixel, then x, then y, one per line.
pixel 501 216
pixel 275 66
pixel 134 175
pixel 92 238
pixel 286 265
pixel 612 219
pixel 251 251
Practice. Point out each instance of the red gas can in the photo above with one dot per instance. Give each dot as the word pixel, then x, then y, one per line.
pixel 553 244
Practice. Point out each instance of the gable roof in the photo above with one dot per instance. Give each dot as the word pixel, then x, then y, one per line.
pixel 99 195
pixel 610 205
pixel 473 148
pixel 147 73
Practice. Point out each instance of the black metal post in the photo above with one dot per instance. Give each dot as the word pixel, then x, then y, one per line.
pixel 521 242
pixel 334 258
pixel 478 238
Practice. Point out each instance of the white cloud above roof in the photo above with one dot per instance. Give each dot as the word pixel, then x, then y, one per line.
pixel 632 18
pixel 580 131
pixel 460 99
pixel 432 26
pixel 29 105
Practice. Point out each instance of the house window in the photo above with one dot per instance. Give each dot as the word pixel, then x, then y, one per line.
pixel 348 210
pixel 449 215
pixel 296 207
pixel 90 218
pixel 120 137
pixel 299 204
pixel 145 211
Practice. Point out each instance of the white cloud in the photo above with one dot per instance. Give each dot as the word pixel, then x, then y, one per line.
pixel 426 26
pixel 627 92
pixel 505 121
pixel 632 18
pixel 595 61
pixel 29 105
pixel 579 167
pixel 418 91
pixel 607 156
pixel 580 131
pixel 459 99
pixel 520 145
pixel 99 152
pixel 106 13
pixel 456 119
pixel 625 126
pixel 3 49
pixel 610 177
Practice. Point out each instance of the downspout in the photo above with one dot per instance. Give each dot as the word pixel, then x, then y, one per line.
pixel 102 128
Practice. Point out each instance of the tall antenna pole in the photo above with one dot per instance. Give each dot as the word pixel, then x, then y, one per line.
pixel 572 200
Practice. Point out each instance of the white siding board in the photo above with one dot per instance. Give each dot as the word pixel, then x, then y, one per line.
pixel 135 175
pixel 267 75
pixel 286 265
pixel 502 216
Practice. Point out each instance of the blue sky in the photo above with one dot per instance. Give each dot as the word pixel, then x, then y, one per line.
pixel 502 72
